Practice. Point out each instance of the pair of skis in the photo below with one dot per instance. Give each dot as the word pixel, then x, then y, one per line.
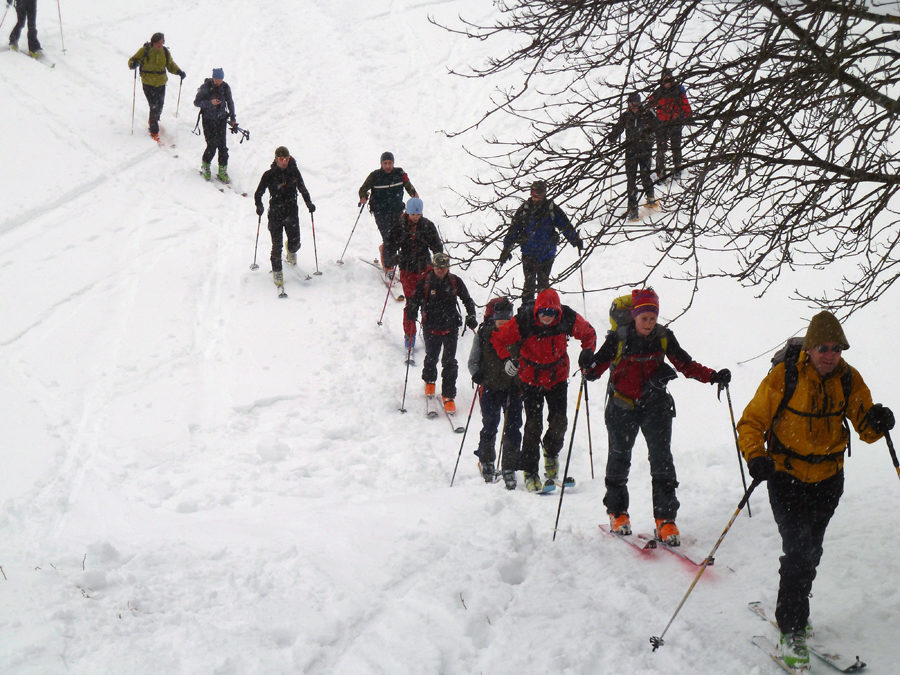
pixel 834 659
pixel 385 279
pixel 38 56
pixel 432 410
pixel 646 544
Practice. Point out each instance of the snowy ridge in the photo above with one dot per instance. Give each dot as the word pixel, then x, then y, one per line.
pixel 199 477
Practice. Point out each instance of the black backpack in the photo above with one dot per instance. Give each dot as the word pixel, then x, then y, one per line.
pixel 788 355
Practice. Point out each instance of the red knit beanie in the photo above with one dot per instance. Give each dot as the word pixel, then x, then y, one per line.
pixel 644 300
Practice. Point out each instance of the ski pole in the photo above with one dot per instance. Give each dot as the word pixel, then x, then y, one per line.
pixel 462 442
pixel 502 437
pixel 340 260
pixel 178 102
pixel 387 295
pixel 133 95
pixel 59 13
pixel 736 444
pixel 887 437
pixel 254 266
pixel 568 458
pixel 4 16
pixel 657 641
pixel 312 220
pixel 587 412
pixel 406 379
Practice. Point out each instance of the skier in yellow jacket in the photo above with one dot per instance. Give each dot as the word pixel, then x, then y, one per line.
pixel 154 59
pixel 797 445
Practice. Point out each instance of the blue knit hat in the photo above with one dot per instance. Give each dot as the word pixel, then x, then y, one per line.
pixel 218 74
pixel 415 207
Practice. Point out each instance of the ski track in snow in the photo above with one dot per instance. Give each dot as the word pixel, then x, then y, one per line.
pixel 200 477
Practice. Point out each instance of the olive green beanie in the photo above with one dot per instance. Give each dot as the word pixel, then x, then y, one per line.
pixel 824 327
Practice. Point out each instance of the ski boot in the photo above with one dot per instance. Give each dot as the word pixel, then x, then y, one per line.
pixel 533 482
pixel 223 174
pixel 290 256
pixel 652 203
pixel 619 523
pixel 793 651
pixel 409 342
pixel 278 277
pixel 487 471
pixel 429 388
pixel 667 532
pixel 551 467
pixel 633 216
pixel 449 405
pixel 509 479
pixel 204 169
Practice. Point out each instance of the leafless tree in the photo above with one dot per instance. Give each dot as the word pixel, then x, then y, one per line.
pixel 791 155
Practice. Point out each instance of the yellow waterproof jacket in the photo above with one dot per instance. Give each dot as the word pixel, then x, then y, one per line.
pixel 812 423
pixel 154 64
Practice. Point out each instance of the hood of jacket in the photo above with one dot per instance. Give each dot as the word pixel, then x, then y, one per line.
pixel 548 299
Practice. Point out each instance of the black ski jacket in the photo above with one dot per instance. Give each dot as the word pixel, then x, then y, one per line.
pixel 409 243
pixel 640 129
pixel 283 186
pixel 437 298
pixel 387 190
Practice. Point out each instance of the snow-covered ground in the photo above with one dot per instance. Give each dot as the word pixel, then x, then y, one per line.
pixel 198 477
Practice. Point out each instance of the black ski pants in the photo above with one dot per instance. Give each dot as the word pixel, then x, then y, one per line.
pixel 495 402
pixel 668 134
pixel 802 512
pixel 283 221
pixel 386 221
pixel 634 162
pixel 537 276
pixel 434 344
pixel 26 10
pixel 654 420
pixel 533 401
pixel 156 98
pixel 215 133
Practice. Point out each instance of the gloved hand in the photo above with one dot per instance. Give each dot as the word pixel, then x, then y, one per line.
pixel 478 377
pixel 234 127
pixel 133 65
pixel 362 202
pixel 311 207
pixel 505 255
pixel 182 74
pixel 761 468
pixel 881 419
pixel 471 322
pixel 590 374
pixel 720 377
pixel 585 358
pixel 510 368
pixel 259 209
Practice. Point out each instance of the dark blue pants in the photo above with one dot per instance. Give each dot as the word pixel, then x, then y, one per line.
pixel 654 420
pixel 434 345
pixel 494 402
pixel 668 134
pixel 26 10
pixel 215 132
pixel 537 276
pixel 385 221
pixel 156 98
pixel 802 512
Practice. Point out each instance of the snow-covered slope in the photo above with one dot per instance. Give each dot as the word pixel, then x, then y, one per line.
pixel 199 477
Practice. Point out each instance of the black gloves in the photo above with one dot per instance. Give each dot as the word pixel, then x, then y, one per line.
pixel 585 358
pixel 259 209
pixel 182 74
pixel 133 65
pixel 761 468
pixel 471 322
pixel 478 377
pixel 311 207
pixel 720 377
pixel 881 419
pixel 505 255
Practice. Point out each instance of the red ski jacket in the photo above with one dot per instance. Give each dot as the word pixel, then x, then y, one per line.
pixel 543 359
pixel 672 104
